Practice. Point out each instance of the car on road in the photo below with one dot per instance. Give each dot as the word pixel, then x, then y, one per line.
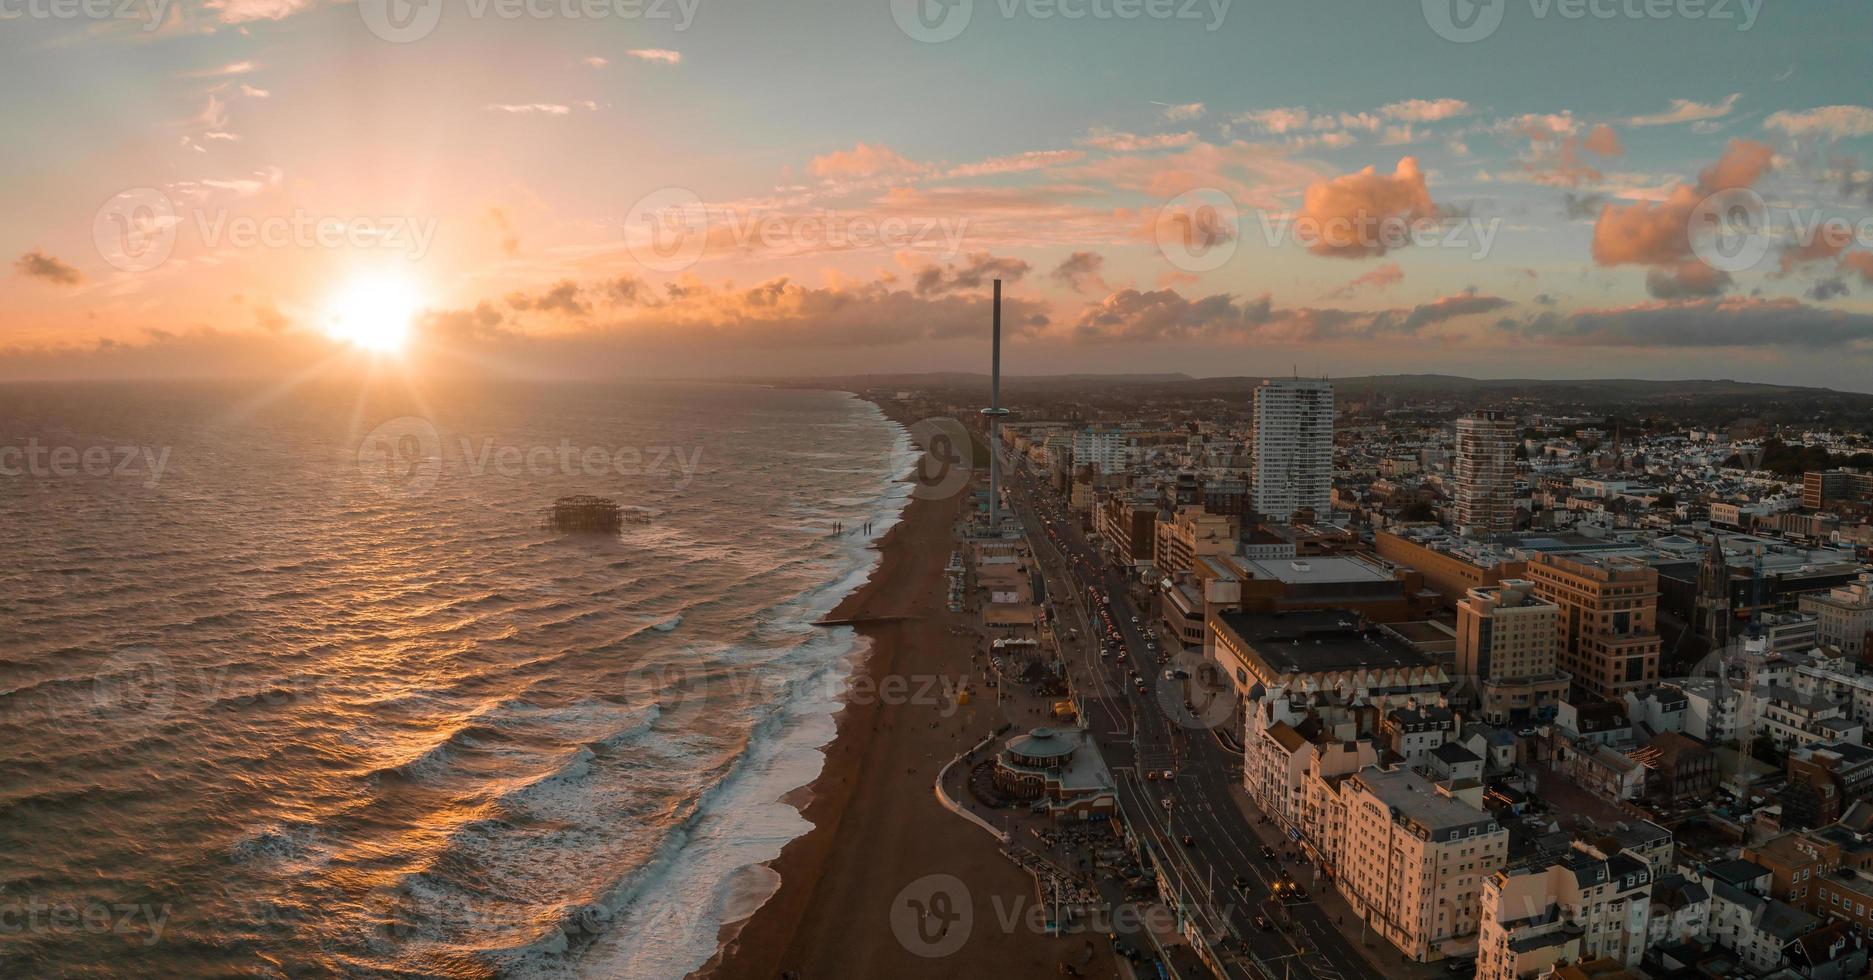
pixel 1461 966
pixel 1242 883
pixel 1189 841
pixel 1262 923
pixel 1268 852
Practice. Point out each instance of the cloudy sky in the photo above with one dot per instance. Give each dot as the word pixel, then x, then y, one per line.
pixel 1547 188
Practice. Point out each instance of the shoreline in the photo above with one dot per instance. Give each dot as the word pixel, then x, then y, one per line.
pixel 753 945
pixel 877 826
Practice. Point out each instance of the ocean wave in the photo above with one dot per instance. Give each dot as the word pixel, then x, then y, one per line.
pixel 289 840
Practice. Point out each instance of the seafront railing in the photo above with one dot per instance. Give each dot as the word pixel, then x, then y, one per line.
pixel 943 796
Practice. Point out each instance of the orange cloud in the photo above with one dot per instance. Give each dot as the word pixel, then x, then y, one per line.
pixel 1383 277
pixel 861 161
pixel 1658 234
pixel 1859 262
pixel 1602 140
pixel 1344 217
pixel 1744 163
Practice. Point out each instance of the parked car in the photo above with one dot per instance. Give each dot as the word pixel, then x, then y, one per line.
pixel 1268 852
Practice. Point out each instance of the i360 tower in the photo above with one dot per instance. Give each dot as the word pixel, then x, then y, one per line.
pixel 995 411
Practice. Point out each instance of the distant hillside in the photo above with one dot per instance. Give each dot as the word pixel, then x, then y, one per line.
pixel 1609 389
pixel 960 379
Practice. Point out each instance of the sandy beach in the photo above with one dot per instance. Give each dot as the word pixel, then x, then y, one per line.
pixel 878 826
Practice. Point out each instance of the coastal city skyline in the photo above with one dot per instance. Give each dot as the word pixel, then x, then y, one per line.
pixel 269 184
pixel 935 489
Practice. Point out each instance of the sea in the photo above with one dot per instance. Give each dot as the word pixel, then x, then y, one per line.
pixel 300 679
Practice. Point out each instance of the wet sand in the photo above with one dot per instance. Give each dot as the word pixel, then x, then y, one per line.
pixel 878 827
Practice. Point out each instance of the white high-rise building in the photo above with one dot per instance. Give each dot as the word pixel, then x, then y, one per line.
pixel 1293 447
pixel 1107 449
pixel 1485 471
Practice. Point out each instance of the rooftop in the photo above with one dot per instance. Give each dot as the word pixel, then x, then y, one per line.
pixel 1319 641
pixel 1317 570
pixel 1413 798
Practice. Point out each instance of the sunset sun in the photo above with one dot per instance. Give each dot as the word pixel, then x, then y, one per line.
pixel 375 313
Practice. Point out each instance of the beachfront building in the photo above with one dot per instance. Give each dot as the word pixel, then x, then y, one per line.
pixel 1295 751
pixel 1126 525
pixel 1413 858
pixel 1412 732
pixel 1192 533
pixel 1584 904
pixel 1322 652
pixel 1506 641
pixel 1293 448
pixel 1060 771
pixel 1609 640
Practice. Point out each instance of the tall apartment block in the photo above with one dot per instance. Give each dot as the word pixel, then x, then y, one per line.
pixel 1507 637
pixel 1485 471
pixel 1293 447
pixel 1608 628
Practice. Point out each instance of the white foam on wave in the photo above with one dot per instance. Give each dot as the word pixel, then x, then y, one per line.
pixel 716 874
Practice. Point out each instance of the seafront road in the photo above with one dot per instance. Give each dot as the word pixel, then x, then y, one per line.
pixel 1150 732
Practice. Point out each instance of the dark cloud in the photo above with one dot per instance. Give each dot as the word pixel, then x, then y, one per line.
pixel 1167 315
pixel 1079 270
pixel 564 298
pixel 627 290
pixel 37 264
pixel 1582 206
pixel 1827 289
pixel 481 323
pixel 973 272
pixel 1690 280
pixel 1706 323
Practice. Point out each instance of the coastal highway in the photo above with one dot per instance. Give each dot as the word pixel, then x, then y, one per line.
pixel 1153 732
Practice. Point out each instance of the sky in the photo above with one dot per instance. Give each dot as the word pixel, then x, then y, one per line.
pixel 632 188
